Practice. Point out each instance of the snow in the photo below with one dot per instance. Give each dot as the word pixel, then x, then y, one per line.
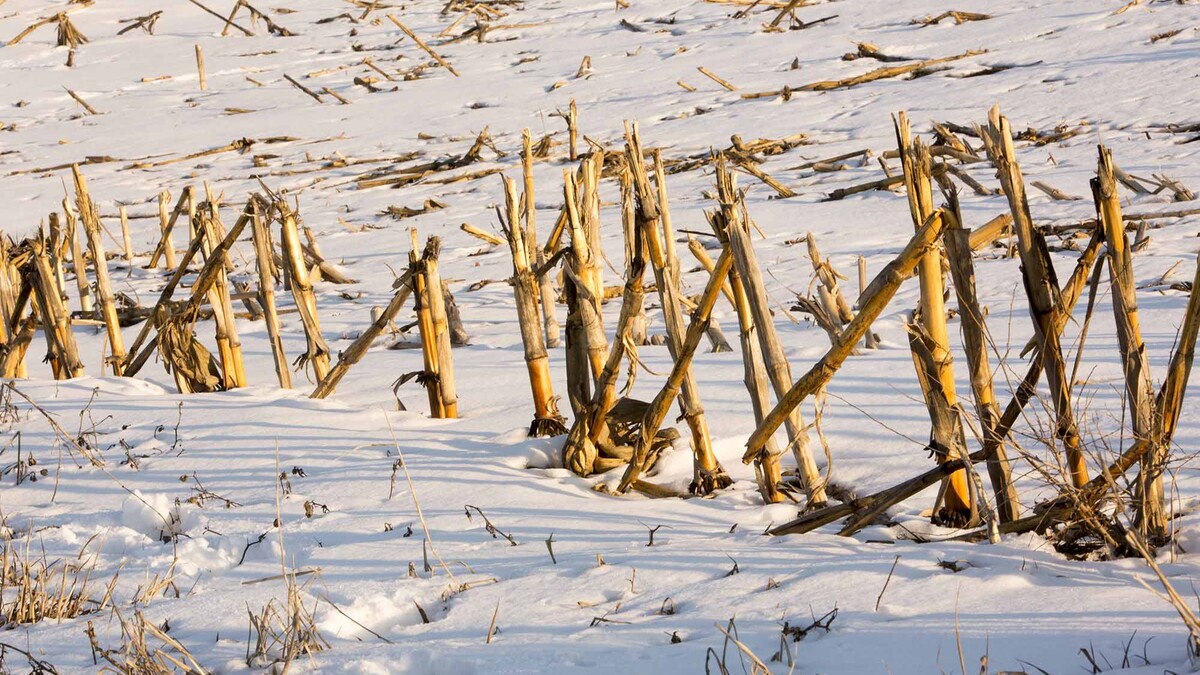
pixel 1017 602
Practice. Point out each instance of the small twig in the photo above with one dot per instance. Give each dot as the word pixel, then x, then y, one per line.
pixel 492 627
pixel 758 664
pixel 487 524
pixel 246 550
pixel 736 568
pixel 246 32
pixel 422 45
pixel 652 530
pixel 355 621
pixel 416 503
pixel 885 583
pixel 80 101
pixel 716 78
pixel 303 88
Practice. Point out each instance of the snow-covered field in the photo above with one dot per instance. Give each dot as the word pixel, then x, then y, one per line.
pixel 601 604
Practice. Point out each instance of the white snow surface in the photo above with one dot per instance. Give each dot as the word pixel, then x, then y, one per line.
pixel 1017 602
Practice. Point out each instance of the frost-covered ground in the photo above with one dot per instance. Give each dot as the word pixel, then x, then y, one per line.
pixel 1076 63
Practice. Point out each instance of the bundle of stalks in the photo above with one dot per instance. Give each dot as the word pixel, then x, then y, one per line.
pixel 1083 508
pixel 438 376
pixel 229 345
pixel 267 274
pixel 590 446
pixel 1041 286
pixel 874 299
pixel 61 350
pixel 732 225
pixel 767 469
pixel 191 364
pixel 547 421
pixel 190 359
pixel 1075 504
pixel 297 275
pixel 538 257
pixel 646 451
pixel 865 509
pixel 67 36
pixel 652 220
pixel 108 308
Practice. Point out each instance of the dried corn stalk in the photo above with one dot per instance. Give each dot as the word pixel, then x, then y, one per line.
pixel 736 230
pixel 645 452
pixel 228 342
pixel 547 421
pixel 441 327
pixel 63 353
pixel 590 445
pixel 537 255
pixel 974 333
pixel 767 470
pixel 583 264
pixel 653 219
pixel 317 353
pixel 1041 286
pixel 438 376
pixel 264 252
pixel 108 308
pixel 946 441
pixel 1150 513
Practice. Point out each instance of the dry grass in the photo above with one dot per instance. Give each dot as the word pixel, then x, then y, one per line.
pixel 34 590
pixel 282 631
pixel 136 657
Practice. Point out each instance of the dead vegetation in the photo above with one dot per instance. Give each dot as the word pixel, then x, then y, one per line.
pixel 610 430
pixel 1097 509
pixel 283 631
pixel 34 589
pixel 1086 508
pixel 145 649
